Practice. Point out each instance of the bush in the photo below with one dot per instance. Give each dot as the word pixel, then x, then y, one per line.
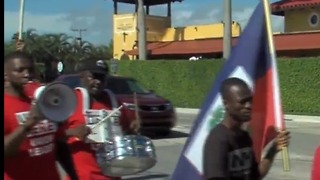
pixel 187 83
pixel 300 85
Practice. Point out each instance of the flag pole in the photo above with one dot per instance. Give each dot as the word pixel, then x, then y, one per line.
pixel 21 19
pixel 278 113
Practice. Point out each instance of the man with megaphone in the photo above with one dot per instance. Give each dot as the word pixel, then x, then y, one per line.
pixel 32 144
pixel 92 74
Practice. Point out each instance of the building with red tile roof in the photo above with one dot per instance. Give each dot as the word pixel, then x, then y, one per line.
pixel 280 7
pixel 289 45
pixel 301 36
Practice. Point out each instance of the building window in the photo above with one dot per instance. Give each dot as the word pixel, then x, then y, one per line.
pixel 314 19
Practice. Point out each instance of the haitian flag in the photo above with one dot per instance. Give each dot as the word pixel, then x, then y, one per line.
pixel 252 61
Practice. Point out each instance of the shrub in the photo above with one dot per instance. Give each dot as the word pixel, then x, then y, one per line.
pixel 187 83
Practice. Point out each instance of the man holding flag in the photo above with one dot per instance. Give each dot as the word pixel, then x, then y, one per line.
pixel 252 70
pixel 228 152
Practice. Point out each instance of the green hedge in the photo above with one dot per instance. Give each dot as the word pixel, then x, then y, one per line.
pixel 187 83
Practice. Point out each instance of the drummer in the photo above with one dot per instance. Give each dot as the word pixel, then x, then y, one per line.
pixel 93 76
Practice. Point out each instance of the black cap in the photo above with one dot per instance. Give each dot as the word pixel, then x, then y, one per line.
pixel 94 66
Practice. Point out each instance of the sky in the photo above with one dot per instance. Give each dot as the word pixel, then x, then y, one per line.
pixel 61 16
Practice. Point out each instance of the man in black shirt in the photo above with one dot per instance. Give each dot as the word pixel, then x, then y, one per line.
pixel 228 153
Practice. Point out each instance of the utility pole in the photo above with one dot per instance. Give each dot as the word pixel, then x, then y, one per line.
pixel 227 36
pixel 79 38
pixel 21 20
pixel 142 36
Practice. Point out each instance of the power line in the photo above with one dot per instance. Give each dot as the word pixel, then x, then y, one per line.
pixel 80 33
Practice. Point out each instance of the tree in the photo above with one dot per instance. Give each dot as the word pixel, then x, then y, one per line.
pixel 9 47
pixel 59 46
pixel 110 47
pixel 101 52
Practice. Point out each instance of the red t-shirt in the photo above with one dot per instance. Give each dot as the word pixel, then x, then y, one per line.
pixel 316 165
pixel 83 153
pixel 36 157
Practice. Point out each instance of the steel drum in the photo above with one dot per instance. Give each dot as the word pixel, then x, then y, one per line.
pixel 126 155
pixel 105 130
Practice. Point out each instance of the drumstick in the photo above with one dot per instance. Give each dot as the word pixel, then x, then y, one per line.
pixel 106 118
pixel 135 101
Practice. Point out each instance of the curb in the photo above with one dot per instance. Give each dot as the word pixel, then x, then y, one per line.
pixel 288 117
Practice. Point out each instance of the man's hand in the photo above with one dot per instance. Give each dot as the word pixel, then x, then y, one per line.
pixel 135 126
pixel 34 115
pixel 282 140
pixel 13 141
pixel 20 45
pixel 81 132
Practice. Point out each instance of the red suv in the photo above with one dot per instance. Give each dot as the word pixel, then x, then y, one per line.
pixel 157 113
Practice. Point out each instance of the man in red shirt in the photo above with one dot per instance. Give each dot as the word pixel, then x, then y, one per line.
pixel 32 145
pixel 316 165
pixel 92 75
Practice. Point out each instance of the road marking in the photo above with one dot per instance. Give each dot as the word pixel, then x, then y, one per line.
pixel 296 118
pixel 294 156
pixel 185 128
pixel 174 140
pixel 169 142
pixel 182 128
pixel 181 131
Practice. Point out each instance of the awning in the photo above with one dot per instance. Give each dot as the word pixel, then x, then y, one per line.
pixel 279 7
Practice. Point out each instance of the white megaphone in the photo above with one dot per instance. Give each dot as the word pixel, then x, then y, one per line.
pixel 56 101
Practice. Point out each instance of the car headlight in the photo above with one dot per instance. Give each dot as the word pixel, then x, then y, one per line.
pixel 169 106
pixel 130 106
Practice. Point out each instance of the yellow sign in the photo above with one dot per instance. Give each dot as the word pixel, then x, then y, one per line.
pixel 124 25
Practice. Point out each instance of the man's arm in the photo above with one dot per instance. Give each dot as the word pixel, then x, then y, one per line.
pixel 80 132
pixel 215 157
pixel 266 163
pixel 281 141
pixel 63 154
pixel 13 141
pixel 20 45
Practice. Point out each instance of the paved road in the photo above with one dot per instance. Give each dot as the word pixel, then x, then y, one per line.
pixel 305 139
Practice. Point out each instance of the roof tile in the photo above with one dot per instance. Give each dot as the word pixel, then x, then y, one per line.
pixel 280 6
pixel 283 42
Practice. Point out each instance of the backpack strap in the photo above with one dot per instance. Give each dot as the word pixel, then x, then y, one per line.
pixel 85 99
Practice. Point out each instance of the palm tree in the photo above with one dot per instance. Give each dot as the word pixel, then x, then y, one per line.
pixel 8 48
pixel 57 42
pixel 57 45
pixel 82 50
pixel 110 47
pixel 101 52
pixel 60 47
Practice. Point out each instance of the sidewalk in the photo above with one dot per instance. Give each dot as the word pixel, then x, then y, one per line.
pixel 288 117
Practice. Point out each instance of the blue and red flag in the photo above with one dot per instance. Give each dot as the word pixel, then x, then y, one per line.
pixel 252 61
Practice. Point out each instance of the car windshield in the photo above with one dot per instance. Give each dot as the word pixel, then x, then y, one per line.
pixel 125 86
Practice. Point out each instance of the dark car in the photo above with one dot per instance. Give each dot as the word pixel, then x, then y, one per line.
pixel 157 113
